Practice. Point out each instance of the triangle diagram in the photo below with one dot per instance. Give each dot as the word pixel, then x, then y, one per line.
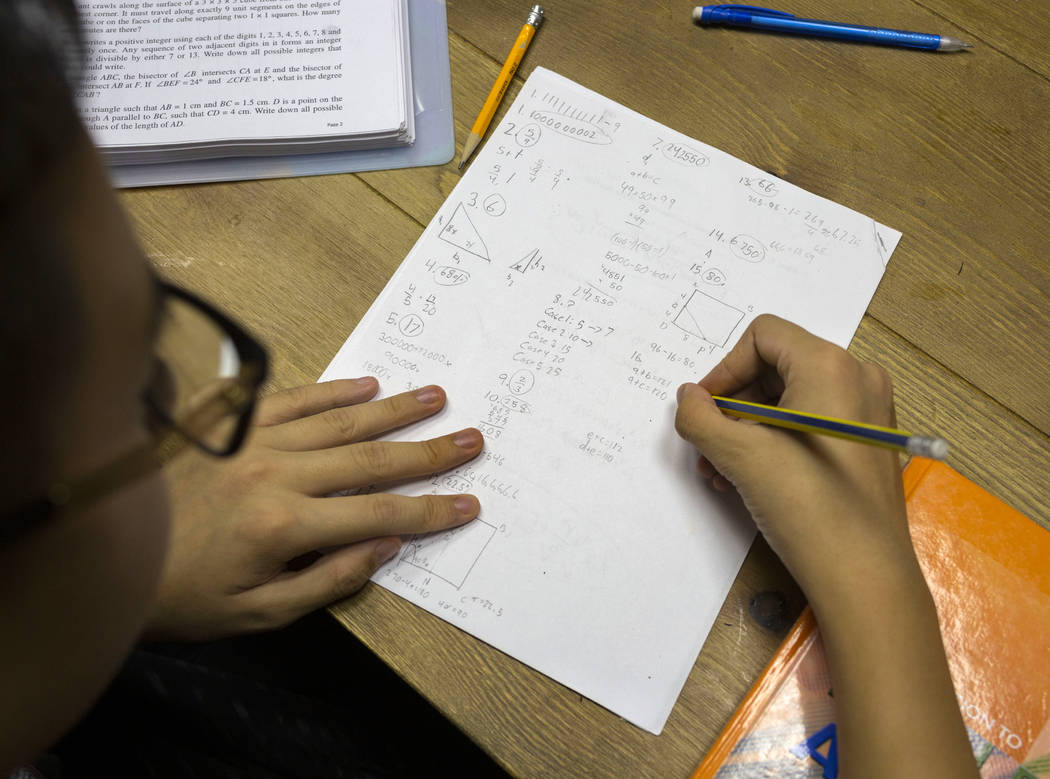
pixel 460 232
pixel 525 262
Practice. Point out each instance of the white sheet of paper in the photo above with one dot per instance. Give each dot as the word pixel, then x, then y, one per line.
pixel 589 262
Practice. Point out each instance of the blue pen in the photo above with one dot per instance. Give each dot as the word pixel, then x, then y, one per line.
pixel 778 21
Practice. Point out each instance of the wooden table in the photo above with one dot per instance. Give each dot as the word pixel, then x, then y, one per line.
pixel 951 149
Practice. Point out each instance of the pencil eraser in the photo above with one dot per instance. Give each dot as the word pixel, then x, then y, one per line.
pixel 697 13
pixel 923 446
pixel 938 448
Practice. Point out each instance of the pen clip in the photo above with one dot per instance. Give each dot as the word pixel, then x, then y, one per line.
pixel 752 9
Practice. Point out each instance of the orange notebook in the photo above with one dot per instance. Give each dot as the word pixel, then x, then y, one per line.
pixel 988 568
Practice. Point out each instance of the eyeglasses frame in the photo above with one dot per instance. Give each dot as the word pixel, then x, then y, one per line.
pixel 143 459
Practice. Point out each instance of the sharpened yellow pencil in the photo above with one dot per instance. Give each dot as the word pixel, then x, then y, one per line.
pixel 510 67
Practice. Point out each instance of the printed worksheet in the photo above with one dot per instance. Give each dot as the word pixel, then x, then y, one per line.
pixel 589 262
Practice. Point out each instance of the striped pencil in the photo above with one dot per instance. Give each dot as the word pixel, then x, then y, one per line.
pixel 887 437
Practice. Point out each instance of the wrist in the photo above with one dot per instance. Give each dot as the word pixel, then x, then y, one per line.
pixel 870 593
pixel 897 713
pixel 845 558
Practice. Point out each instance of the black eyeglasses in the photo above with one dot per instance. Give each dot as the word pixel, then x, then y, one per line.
pixel 207 374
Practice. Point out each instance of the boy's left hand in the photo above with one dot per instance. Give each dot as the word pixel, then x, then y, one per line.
pixel 238 523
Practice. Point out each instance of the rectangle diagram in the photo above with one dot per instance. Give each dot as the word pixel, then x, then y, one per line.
pixel 708 318
pixel 450 555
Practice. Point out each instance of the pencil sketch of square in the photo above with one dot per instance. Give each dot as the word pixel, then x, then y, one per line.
pixel 450 555
pixel 708 318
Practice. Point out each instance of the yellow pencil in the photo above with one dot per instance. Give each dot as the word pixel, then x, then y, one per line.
pixel 887 437
pixel 510 67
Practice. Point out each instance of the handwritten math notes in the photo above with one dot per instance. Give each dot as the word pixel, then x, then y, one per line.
pixel 589 262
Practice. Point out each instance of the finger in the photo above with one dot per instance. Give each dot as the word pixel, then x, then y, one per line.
pixel 765 353
pixel 721 483
pixel 379 462
pixel 708 471
pixel 313 399
pixel 348 424
pixel 341 521
pixel 757 392
pixel 331 578
pixel 726 444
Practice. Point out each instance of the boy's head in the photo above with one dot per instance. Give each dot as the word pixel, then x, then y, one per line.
pixel 78 310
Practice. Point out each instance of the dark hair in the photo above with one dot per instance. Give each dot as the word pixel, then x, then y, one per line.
pixel 40 312
pixel 40 51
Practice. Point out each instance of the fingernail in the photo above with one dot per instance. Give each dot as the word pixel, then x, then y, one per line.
pixel 366 381
pixel 467 505
pixel 385 550
pixel 467 439
pixel 428 395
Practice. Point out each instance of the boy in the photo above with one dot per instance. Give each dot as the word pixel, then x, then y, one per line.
pixel 103 377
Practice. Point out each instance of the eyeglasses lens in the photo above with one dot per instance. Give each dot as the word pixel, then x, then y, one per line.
pixel 199 384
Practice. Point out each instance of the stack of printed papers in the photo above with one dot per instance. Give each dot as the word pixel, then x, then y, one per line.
pixel 176 80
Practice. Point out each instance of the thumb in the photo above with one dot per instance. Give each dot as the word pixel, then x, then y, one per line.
pixel 721 440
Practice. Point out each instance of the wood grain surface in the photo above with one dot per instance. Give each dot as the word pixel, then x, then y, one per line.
pixel 951 149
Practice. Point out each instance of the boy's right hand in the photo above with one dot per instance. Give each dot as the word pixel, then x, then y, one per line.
pixel 833 510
